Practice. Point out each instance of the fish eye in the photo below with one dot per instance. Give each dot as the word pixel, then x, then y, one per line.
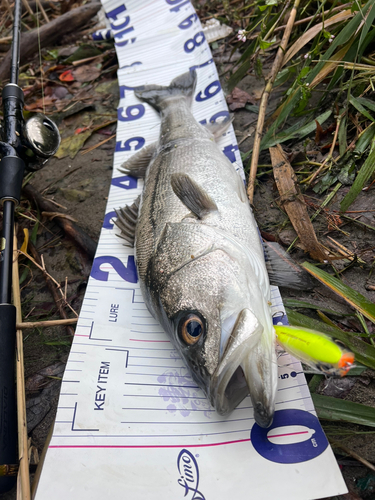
pixel 190 329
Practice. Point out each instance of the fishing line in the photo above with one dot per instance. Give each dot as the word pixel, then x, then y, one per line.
pixel 40 56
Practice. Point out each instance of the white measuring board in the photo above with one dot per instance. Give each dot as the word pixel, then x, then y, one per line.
pixel 131 423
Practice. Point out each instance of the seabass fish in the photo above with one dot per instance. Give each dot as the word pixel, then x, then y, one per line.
pixel 199 257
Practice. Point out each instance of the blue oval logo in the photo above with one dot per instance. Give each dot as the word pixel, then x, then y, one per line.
pixel 284 449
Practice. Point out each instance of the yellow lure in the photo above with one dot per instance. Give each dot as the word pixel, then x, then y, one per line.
pixel 315 349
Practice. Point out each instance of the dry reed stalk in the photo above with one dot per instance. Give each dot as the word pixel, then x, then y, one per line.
pixel 263 103
pixel 23 481
pixel 45 324
pixel 27 7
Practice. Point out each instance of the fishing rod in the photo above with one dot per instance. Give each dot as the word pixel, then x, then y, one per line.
pixel 25 146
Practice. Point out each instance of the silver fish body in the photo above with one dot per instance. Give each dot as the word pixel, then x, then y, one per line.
pixel 200 260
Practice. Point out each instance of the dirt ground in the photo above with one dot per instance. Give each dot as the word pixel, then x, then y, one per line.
pixel 80 186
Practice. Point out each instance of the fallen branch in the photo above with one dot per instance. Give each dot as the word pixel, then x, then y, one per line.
pixel 49 33
pixel 293 203
pixel 71 229
pixel 263 103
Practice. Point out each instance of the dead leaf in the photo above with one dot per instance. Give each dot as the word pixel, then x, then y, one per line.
pixel 40 104
pixel 318 133
pixel 71 145
pixel 293 203
pixel 312 32
pixel 238 99
pixel 80 130
pixel 86 73
pixel 67 76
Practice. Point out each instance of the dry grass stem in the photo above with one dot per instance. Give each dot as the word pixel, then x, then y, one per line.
pixel 23 480
pixel 263 104
pixel 97 145
pixel 45 324
pixel 354 455
pixel 40 7
pixel 44 271
pixel 27 7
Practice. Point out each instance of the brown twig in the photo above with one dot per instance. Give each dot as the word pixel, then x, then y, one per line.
pixel 97 145
pixel 353 454
pixel 23 451
pixel 40 6
pixel 27 7
pixel 59 300
pixel 263 103
pixel 44 324
pixel 329 156
pixel 71 229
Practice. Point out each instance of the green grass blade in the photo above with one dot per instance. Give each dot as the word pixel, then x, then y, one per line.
pixel 354 102
pixel 367 103
pixel 341 410
pixel 296 131
pixel 364 139
pixel 362 178
pixel 342 38
pixel 342 136
pixel 306 305
pixel 364 352
pixel 354 298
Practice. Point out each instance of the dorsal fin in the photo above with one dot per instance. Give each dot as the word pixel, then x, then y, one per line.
pixel 192 195
pixel 137 165
pixel 127 220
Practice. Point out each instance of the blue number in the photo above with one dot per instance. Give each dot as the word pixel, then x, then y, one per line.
pixel 107 224
pixel 178 7
pixel 102 35
pixel 120 35
pixel 122 90
pixel 115 12
pixel 127 145
pixel 124 182
pixel 208 92
pixel 229 152
pixel 127 115
pixel 210 61
pixel 214 117
pixel 290 453
pixel 196 41
pixel 123 23
pixel 129 66
pixel 127 273
pixel 186 23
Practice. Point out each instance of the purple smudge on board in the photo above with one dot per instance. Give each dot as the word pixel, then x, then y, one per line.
pixel 182 399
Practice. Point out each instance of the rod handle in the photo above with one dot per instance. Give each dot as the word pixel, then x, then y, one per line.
pixel 8 409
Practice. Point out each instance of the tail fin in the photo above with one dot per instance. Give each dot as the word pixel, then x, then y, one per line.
pixel 155 95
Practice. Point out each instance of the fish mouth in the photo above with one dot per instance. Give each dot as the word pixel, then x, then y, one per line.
pixel 243 370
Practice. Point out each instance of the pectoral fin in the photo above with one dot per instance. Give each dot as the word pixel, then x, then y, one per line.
pixel 127 220
pixel 137 165
pixel 192 195
pixel 283 271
